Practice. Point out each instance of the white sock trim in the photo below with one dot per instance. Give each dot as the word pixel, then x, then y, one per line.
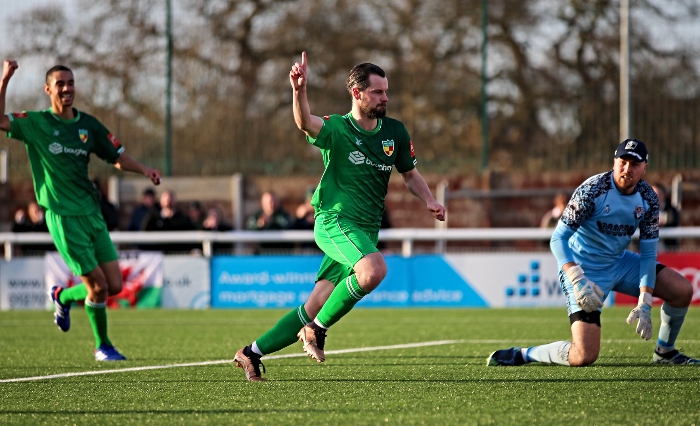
pixel 318 323
pixel 254 347
pixel 95 305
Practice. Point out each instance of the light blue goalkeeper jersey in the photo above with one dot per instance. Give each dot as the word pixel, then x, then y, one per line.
pixel 599 221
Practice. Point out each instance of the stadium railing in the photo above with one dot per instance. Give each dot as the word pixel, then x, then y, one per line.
pixel 407 236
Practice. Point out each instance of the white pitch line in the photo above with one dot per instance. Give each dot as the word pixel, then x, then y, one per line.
pixel 196 364
pixel 297 355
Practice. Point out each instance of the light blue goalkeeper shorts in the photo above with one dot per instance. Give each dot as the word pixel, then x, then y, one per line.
pixel 623 278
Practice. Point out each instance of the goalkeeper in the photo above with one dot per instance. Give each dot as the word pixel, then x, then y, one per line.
pixel 590 244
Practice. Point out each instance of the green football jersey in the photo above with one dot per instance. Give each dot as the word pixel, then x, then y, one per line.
pixel 59 151
pixel 358 164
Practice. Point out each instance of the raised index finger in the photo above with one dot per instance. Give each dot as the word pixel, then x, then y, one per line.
pixel 303 59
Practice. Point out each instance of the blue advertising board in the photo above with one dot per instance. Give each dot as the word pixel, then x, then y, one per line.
pixel 287 281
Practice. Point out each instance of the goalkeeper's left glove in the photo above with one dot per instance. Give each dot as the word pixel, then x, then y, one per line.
pixel 642 312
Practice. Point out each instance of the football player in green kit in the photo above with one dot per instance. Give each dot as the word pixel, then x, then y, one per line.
pixel 59 141
pixel 360 149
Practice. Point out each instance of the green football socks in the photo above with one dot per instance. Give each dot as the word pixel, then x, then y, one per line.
pixel 69 295
pixel 284 333
pixel 345 295
pixel 97 315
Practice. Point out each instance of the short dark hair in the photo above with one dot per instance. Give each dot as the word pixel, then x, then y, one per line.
pixel 56 68
pixel 359 76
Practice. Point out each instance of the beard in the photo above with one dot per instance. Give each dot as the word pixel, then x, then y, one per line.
pixel 375 112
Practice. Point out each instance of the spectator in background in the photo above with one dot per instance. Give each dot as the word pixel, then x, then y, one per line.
pixel 137 222
pixel 196 214
pixel 270 217
pixel 551 218
pixel 668 216
pixel 32 220
pixel 304 219
pixel 304 215
pixel 109 212
pixel 168 218
pixel 214 222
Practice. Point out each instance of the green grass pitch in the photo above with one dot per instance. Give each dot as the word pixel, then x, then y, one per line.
pixel 442 384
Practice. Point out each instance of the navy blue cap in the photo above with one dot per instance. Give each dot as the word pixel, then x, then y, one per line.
pixel 632 148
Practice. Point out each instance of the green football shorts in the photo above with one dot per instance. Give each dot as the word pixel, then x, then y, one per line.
pixel 344 244
pixel 82 241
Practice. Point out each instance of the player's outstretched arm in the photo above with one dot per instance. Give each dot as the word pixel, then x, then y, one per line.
pixel 309 124
pixel 128 164
pixel 8 69
pixel 416 184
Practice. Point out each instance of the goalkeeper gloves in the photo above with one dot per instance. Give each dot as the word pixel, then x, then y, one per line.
pixel 587 294
pixel 642 312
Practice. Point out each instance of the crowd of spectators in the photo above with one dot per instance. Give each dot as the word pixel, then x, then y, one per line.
pixel 162 213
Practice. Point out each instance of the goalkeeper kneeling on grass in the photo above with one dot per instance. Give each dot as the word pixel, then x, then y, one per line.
pixel 590 244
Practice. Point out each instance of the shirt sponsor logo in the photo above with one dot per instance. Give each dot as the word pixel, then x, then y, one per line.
pixel 388 147
pixel 616 230
pixel 356 157
pixel 57 148
pixel 83 135
pixel 22 114
pixel 114 140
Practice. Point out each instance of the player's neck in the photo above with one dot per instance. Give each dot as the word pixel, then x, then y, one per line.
pixel 363 121
pixel 65 112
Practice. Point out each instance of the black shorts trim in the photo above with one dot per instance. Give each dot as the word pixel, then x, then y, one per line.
pixel 589 317
pixel 659 267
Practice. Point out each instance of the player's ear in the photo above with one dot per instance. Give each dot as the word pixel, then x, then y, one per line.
pixel 356 93
pixel 47 89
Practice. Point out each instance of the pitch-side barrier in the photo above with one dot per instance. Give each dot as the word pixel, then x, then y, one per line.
pixel 407 236
pixel 461 278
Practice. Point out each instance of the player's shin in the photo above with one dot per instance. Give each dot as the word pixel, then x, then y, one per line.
pixel 73 294
pixel 551 353
pixel 284 333
pixel 671 322
pixel 341 301
pixel 97 315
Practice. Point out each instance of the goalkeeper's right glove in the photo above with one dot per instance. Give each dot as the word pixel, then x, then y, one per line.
pixel 588 295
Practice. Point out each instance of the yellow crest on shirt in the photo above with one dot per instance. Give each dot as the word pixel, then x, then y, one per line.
pixel 83 135
pixel 388 147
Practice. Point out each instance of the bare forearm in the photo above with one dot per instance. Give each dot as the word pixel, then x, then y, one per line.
pixel 128 164
pixel 418 187
pixel 309 124
pixel 8 69
pixel 4 119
